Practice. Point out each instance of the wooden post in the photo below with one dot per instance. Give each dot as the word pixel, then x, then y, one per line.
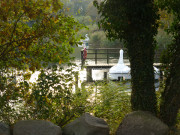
pixel 89 74
pixel 95 56
pixel 107 56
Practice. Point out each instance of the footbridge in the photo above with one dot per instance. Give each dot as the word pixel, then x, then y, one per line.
pixel 105 58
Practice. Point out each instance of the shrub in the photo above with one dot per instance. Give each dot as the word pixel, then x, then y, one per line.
pixel 51 98
pixel 112 103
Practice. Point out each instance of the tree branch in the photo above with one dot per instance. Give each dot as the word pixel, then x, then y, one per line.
pixel 20 40
pixel 15 25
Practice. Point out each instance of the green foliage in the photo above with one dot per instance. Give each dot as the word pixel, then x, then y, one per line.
pixel 92 11
pixel 10 94
pixel 86 20
pixel 170 6
pixel 53 98
pixel 33 34
pixel 115 43
pixel 111 102
pixel 119 21
pixel 86 14
pixel 170 104
pixel 178 120
pixel 34 31
pixel 77 7
pixel 50 98
pixel 97 38
pixel 163 39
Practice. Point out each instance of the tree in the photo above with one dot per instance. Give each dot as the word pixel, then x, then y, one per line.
pixel 135 22
pixel 170 104
pixel 35 32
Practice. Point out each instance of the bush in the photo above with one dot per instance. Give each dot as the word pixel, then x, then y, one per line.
pixel 54 98
pixel 51 98
pixel 112 103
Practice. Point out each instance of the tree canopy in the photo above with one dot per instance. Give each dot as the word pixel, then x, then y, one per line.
pixel 35 32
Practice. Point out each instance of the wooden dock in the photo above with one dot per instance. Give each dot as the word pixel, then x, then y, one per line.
pixel 109 55
pixel 89 69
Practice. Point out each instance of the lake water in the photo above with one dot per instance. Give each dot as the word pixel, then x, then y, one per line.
pixel 96 74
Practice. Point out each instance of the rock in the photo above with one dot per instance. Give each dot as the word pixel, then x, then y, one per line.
pixel 36 127
pixel 87 125
pixel 142 123
pixel 4 129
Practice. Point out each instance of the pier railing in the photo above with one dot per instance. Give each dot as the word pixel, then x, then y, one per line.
pixel 108 55
pixel 103 54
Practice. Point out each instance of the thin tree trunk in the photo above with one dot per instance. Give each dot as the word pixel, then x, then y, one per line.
pixel 171 96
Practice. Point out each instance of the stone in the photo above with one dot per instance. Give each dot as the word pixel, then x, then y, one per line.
pixel 36 127
pixel 4 129
pixel 142 123
pixel 86 125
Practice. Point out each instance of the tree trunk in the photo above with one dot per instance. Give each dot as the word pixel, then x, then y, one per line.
pixel 142 76
pixel 140 43
pixel 171 96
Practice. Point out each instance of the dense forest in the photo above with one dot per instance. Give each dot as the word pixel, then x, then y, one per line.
pixel 86 13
